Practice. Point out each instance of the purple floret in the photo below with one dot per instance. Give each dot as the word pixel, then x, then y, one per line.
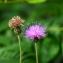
pixel 35 31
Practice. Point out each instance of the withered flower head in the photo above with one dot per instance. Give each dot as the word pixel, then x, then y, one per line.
pixel 15 22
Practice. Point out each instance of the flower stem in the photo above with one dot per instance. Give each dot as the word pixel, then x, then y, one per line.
pixel 20 49
pixel 36 50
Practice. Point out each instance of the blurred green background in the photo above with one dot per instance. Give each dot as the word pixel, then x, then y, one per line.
pixel 46 12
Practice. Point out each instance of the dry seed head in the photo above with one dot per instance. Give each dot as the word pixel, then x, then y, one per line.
pixel 15 22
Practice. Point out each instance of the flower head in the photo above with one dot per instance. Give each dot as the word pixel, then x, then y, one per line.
pixel 15 22
pixel 35 32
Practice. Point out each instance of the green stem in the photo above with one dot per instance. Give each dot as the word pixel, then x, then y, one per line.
pixel 20 49
pixel 36 50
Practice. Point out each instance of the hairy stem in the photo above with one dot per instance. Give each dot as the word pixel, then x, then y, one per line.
pixel 36 50
pixel 20 49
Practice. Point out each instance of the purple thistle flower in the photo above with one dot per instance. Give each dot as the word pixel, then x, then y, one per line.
pixel 35 32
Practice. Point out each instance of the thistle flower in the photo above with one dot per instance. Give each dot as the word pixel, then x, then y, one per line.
pixel 15 22
pixel 35 32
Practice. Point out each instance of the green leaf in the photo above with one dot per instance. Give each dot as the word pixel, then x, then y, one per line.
pixel 48 50
pixel 35 1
